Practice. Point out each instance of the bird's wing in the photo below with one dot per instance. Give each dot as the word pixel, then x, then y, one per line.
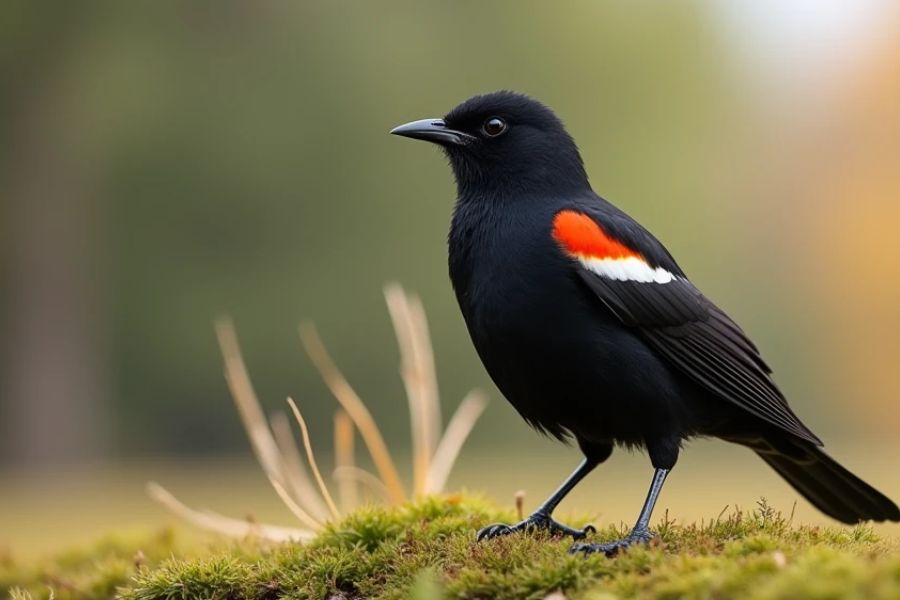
pixel 640 283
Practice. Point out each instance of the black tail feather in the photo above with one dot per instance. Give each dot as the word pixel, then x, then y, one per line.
pixel 831 488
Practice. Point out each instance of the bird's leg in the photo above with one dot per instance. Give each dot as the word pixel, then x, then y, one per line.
pixel 540 519
pixel 640 534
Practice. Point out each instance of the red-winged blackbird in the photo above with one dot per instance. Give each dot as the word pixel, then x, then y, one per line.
pixel 590 328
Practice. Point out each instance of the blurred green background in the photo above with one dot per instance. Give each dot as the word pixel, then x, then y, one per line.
pixel 163 163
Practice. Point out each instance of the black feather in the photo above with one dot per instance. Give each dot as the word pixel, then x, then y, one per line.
pixel 694 334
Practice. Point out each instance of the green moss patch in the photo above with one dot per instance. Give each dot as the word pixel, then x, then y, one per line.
pixel 426 550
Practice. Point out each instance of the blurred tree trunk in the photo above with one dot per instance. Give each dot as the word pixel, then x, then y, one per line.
pixel 53 390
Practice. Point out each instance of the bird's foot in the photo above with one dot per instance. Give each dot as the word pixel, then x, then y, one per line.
pixel 537 521
pixel 637 536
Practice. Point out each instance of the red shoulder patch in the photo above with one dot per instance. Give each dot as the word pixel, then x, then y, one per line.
pixel 581 236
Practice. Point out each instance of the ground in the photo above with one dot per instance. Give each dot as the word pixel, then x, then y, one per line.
pixel 426 550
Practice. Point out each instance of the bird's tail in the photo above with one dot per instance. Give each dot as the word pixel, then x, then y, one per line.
pixel 830 487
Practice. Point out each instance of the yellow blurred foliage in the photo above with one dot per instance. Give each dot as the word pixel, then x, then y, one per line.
pixel 855 254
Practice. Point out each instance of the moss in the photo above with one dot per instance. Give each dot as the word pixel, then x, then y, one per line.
pixel 425 550
pixel 94 572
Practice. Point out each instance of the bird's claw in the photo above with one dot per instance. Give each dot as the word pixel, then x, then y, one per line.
pixel 638 536
pixel 537 521
pixel 493 530
pixel 575 534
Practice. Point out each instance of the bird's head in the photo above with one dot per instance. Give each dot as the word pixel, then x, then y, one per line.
pixel 504 141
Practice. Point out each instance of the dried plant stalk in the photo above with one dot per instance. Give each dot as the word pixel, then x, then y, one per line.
pixel 458 430
pixel 310 456
pixel 245 400
pixel 419 379
pixel 520 504
pixel 363 477
pixel 231 527
pixel 424 351
pixel 344 458
pixel 296 474
pixel 354 406
pixel 277 452
pixel 295 508
pixel 261 437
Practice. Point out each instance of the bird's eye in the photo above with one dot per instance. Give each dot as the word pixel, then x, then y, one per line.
pixel 494 126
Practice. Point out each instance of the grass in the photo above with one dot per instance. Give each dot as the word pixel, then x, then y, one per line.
pixel 300 484
pixel 425 549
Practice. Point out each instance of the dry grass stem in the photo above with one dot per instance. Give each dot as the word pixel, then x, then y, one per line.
pixel 297 475
pixel 344 458
pixel 520 504
pixel 295 508
pixel 310 456
pixel 354 406
pixel 261 439
pixel 451 443
pixel 419 379
pixel 224 525
pixel 300 486
pixel 363 477
pixel 428 373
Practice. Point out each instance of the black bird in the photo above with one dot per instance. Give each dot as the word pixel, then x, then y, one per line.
pixel 590 328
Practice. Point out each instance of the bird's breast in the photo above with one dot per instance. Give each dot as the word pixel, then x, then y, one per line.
pixel 506 271
pixel 519 295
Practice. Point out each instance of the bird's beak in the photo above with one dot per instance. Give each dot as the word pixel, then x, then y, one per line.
pixel 433 130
